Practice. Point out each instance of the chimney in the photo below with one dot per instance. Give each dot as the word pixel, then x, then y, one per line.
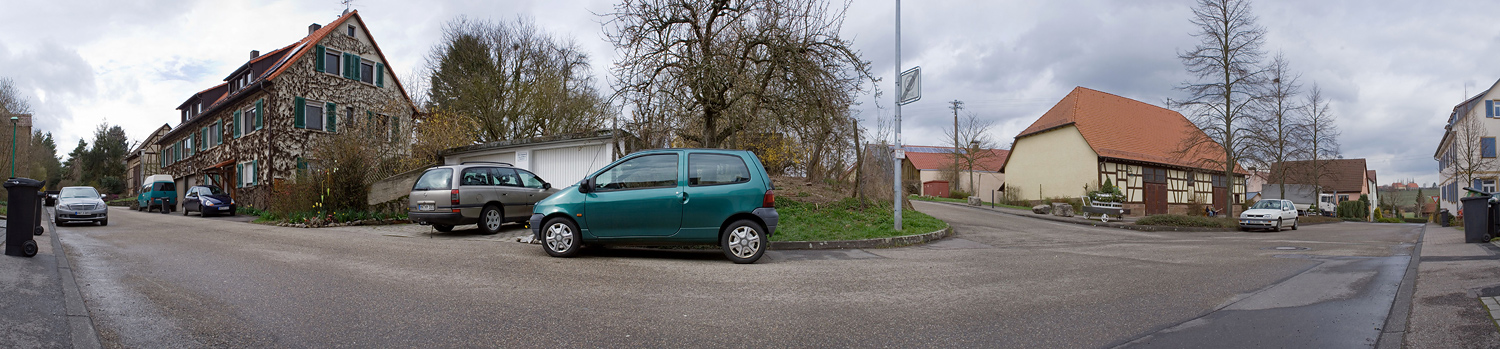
pixel 312 28
pixel 254 53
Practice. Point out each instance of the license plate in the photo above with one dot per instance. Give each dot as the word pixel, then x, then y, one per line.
pixel 225 208
pixel 426 207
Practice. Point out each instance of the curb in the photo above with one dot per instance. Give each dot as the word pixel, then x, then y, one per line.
pixel 897 241
pixel 80 321
pixel 1393 333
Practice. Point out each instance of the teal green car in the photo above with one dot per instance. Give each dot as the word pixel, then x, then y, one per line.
pixel 664 197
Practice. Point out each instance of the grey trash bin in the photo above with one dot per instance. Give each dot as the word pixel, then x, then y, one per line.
pixel 1445 218
pixel 1477 224
pixel 22 216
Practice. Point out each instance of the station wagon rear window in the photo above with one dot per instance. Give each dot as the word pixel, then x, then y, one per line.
pixel 437 179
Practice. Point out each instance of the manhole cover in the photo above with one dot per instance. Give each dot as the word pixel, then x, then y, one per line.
pixel 1285 248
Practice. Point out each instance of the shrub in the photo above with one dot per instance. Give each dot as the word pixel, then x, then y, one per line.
pixel 1358 210
pixel 1177 220
pixel 1388 220
pixel 958 194
pixel 1416 220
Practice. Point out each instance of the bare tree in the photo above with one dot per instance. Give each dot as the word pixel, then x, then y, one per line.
pixel 1227 64
pixel 974 135
pixel 11 99
pixel 709 70
pixel 1321 137
pixel 514 80
pixel 1276 135
pixel 1465 152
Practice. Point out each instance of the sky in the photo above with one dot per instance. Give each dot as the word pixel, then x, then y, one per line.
pixel 1392 70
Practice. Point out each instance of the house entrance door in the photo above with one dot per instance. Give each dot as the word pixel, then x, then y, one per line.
pixel 1155 195
pixel 1221 194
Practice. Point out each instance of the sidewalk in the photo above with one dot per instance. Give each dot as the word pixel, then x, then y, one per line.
pixel 1446 310
pixel 40 306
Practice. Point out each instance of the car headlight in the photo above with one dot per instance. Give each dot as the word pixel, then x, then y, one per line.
pixel 208 203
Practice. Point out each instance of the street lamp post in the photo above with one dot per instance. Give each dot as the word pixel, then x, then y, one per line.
pixel 13 120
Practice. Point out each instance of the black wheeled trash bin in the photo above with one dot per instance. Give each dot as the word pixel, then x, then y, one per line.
pixel 22 216
pixel 1477 224
pixel 1445 217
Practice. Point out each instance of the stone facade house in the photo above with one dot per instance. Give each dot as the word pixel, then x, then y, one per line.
pixel 258 127
pixel 1091 137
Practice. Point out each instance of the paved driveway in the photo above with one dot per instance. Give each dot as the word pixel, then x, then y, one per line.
pixel 1003 281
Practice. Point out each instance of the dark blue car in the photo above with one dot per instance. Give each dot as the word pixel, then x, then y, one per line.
pixel 207 200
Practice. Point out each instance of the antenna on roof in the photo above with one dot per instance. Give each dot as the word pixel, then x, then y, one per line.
pixel 348 5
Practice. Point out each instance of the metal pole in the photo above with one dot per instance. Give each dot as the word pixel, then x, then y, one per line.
pixel 13 146
pixel 897 189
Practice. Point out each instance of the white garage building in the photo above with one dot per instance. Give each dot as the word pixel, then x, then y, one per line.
pixel 561 160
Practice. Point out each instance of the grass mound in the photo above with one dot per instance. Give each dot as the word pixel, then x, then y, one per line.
pixel 846 219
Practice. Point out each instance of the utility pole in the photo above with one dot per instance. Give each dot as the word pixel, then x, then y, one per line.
pixel 897 159
pixel 955 105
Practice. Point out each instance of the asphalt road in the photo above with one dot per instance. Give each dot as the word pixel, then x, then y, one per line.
pixel 153 280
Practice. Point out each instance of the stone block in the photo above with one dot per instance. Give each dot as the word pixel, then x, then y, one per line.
pixel 974 201
pixel 1062 209
pixel 1041 209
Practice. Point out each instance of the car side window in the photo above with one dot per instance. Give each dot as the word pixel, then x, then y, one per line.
pixel 475 176
pixel 504 177
pixel 530 180
pixel 650 171
pixel 712 169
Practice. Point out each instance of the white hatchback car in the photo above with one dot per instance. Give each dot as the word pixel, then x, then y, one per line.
pixel 1270 214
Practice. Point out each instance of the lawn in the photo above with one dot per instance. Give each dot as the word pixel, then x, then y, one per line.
pixel 846 219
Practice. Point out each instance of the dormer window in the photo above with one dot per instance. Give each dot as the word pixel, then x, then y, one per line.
pixel 350 31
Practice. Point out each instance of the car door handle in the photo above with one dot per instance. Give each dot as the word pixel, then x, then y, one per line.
pixel 683 195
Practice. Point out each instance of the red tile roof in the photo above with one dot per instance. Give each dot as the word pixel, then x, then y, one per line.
pixel 1340 175
pixel 1127 129
pixel 938 158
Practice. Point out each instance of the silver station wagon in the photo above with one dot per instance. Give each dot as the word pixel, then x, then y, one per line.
pixel 488 193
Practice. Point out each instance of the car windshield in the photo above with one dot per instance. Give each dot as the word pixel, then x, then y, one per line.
pixel 1267 204
pixel 78 193
pixel 212 190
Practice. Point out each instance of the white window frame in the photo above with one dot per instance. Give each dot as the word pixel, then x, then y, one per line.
pixel 362 77
pixel 1487 185
pixel 338 61
pixel 349 31
pixel 247 174
pixel 322 115
pixel 247 117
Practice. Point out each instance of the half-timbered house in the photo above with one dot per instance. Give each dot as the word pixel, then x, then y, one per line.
pixel 257 127
pixel 1092 137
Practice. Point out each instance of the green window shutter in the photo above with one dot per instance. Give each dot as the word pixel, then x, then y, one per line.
pixel 333 117
pixel 346 65
pixel 395 128
pixel 238 123
pixel 318 62
pixel 301 119
pixel 379 74
pixel 203 141
pixel 239 175
pixel 254 170
pixel 260 113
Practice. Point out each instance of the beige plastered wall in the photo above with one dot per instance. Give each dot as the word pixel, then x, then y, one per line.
pixel 1056 163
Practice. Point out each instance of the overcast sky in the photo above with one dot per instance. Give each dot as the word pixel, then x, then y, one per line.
pixel 1392 69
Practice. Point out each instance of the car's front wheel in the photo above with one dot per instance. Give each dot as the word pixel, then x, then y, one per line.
pixel 490 220
pixel 560 237
pixel 104 222
pixel 743 242
pixel 1278 225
